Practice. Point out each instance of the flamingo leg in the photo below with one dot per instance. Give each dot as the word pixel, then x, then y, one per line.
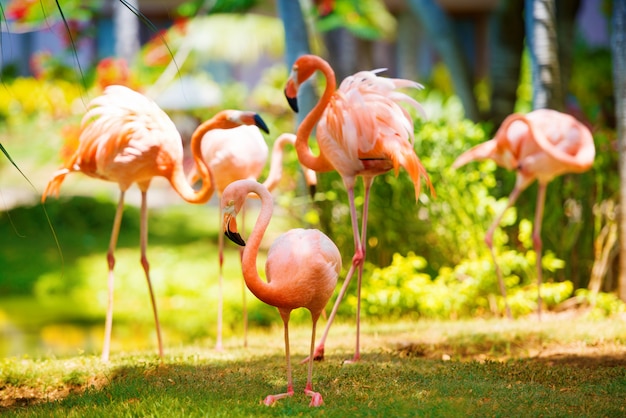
pixel 220 298
pixel 367 182
pixel 537 244
pixel 318 354
pixel 244 305
pixel 316 397
pixel 357 262
pixel 270 399
pixel 108 323
pixel 146 266
pixel 489 241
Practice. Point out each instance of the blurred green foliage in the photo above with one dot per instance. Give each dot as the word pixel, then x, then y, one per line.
pixel 366 19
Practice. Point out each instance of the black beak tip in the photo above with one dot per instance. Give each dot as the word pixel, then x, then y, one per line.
pixel 235 237
pixel 258 121
pixel 312 191
pixel 293 103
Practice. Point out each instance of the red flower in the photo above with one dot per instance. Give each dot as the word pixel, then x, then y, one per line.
pixel 112 71
pixel 18 9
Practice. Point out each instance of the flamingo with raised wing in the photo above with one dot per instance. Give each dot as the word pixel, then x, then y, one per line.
pixel 540 145
pixel 126 138
pixel 362 130
pixel 302 268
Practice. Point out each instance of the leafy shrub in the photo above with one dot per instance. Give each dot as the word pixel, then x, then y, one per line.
pixel 602 304
pixel 467 290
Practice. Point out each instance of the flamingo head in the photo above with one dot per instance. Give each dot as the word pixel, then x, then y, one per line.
pixel 234 118
pixel 230 209
pixel 302 70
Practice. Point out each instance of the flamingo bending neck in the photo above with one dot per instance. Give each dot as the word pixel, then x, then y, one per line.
pixel 263 290
pixel 305 155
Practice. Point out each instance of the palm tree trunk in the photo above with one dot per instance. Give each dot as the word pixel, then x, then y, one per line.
pixel 126 25
pixel 618 45
pixel 541 37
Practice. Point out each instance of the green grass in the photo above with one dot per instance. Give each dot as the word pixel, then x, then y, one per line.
pixel 549 369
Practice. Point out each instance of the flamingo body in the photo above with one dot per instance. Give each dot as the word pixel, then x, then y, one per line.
pixel 323 260
pixel 540 145
pixel 125 138
pixel 302 268
pixel 235 154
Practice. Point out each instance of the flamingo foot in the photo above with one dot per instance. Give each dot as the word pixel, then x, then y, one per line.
pixel 318 354
pixel 316 398
pixel 354 360
pixel 271 399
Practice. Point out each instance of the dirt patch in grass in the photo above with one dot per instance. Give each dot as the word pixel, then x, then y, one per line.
pixel 21 396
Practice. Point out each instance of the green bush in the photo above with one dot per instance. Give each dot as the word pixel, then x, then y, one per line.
pixel 467 290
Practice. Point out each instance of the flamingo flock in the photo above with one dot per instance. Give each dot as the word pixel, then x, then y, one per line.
pixel 363 129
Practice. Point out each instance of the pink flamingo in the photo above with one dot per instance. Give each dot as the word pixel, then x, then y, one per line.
pixel 362 130
pixel 126 138
pixel 302 268
pixel 539 146
pixel 237 154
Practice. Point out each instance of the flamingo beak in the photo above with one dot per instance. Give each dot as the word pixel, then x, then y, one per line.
pixel 293 103
pixel 260 123
pixel 230 230
pixel 291 94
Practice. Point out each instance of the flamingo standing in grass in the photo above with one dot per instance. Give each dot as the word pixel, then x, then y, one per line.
pixel 237 154
pixel 302 268
pixel 126 138
pixel 539 146
pixel 362 130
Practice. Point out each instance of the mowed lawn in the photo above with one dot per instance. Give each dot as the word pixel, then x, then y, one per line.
pixel 564 365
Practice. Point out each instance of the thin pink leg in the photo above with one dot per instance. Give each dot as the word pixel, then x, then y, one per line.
pixel 316 397
pixel 220 281
pixel 270 399
pixel 318 354
pixel 244 305
pixel 108 323
pixel 489 241
pixel 357 260
pixel 537 244
pixel 367 181
pixel 146 266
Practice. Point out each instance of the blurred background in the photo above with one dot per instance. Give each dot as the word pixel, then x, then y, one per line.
pixel 426 259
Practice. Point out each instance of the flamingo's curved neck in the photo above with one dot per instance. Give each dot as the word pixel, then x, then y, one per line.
pixel 260 288
pixel 306 157
pixel 183 187
pixel 276 162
